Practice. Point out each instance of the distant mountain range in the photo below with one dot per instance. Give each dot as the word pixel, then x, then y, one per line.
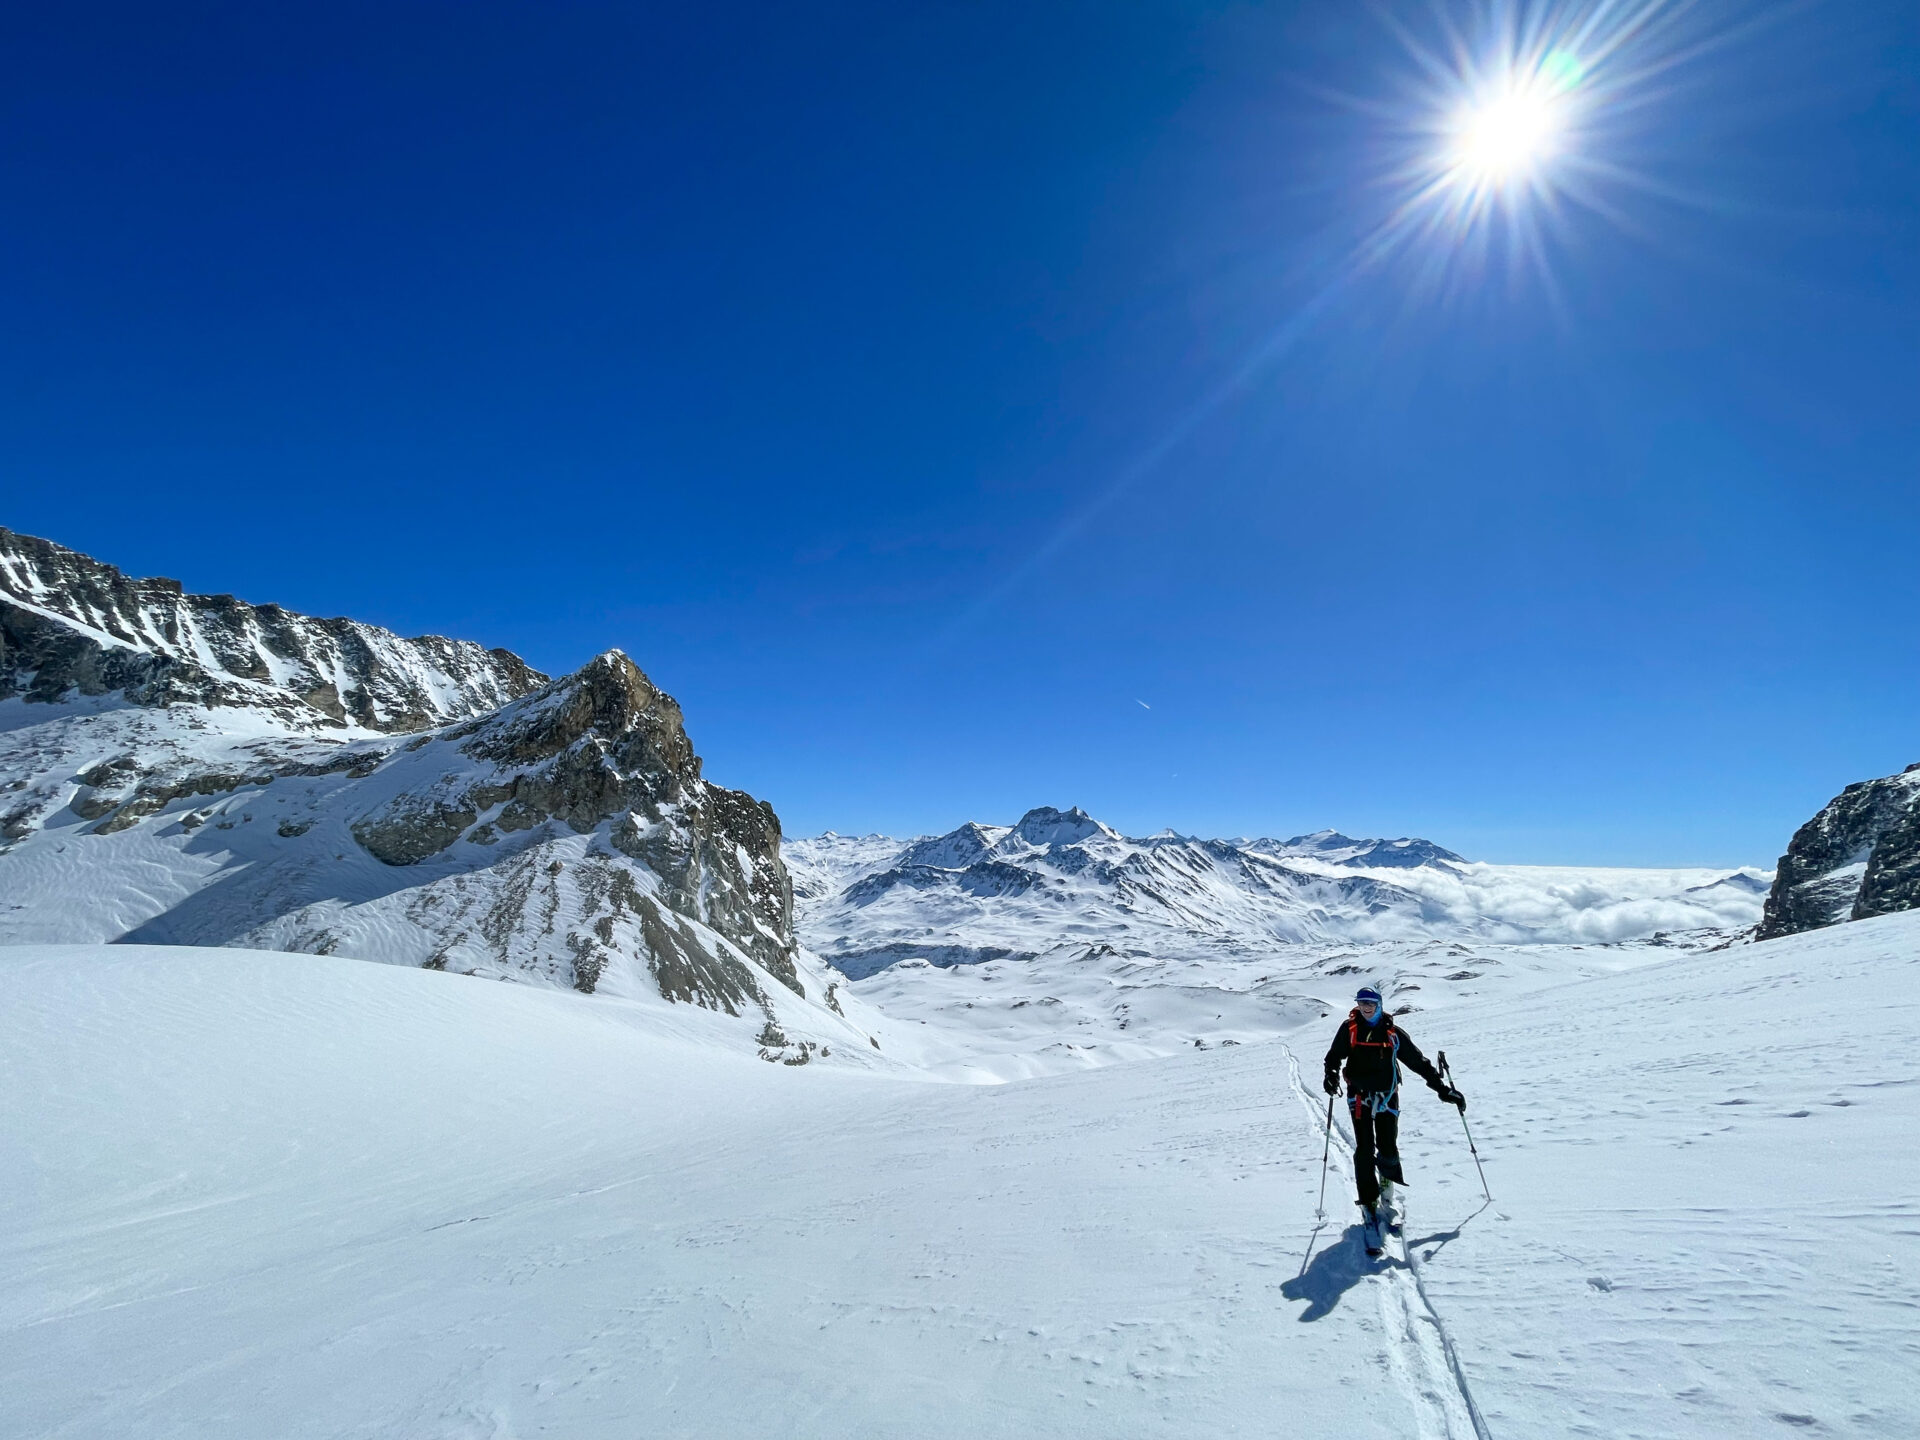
pixel 1060 880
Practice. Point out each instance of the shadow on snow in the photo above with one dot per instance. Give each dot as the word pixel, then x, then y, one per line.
pixel 1325 1277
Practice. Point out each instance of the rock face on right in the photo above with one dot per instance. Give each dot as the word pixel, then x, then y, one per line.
pixel 1859 857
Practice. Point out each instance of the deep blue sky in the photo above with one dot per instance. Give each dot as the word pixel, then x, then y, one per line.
pixel 914 390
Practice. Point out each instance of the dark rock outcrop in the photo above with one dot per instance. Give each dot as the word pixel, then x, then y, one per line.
pixel 71 623
pixel 1859 857
pixel 601 745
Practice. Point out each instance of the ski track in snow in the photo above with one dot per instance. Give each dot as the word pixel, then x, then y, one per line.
pixel 1419 1351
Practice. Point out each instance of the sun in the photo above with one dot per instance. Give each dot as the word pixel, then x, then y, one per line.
pixel 1506 137
pixel 1507 130
pixel 1514 123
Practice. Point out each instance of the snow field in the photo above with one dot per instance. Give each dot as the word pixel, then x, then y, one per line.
pixel 298 1196
pixel 1701 1224
pixel 1015 1019
pixel 287 1195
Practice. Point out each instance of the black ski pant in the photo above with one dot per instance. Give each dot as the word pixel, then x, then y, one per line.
pixel 1376 1148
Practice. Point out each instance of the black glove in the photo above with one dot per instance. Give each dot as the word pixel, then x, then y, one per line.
pixel 1454 1097
pixel 1331 1084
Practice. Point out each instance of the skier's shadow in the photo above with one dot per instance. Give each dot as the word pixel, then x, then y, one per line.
pixel 1325 1277
pixel 1440 1239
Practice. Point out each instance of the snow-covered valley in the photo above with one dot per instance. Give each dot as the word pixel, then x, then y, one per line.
pixel 308 1196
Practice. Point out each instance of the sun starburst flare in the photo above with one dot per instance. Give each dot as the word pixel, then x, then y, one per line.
pixel 1512 125
pixel 1519 116
pixel 1505 137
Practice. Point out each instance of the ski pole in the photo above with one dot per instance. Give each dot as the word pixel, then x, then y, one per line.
pixel 1447 1075
pixel 1320 1211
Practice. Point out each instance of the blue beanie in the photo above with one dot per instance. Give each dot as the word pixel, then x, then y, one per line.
pixel 1367 992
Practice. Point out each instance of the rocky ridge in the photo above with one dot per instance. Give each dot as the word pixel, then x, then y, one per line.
pixel 604 748
pixel 1858 857
pixel 168 775
pixel 70 624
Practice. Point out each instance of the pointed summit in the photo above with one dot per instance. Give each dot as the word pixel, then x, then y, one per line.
pixel 637 725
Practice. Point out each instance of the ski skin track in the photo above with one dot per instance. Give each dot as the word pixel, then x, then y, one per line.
pixel 1434 1383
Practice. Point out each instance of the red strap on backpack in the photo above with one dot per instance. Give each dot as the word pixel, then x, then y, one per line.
pixel 1353 1030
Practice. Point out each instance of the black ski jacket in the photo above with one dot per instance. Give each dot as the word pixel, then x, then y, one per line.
pixel 1373 1055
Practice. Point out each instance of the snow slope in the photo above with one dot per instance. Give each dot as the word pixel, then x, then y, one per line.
pixel 1060 883
pixel 306 1196
pixel 1701 1223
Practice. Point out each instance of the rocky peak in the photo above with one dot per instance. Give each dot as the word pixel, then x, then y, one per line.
pixel 1046 826
pixel 956 849
pixel 1859 857
pixel 602 747
pixel 1319 840
pixel 70 623
pixel 608 700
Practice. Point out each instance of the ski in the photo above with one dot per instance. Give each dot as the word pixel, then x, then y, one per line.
pixel 1373 1235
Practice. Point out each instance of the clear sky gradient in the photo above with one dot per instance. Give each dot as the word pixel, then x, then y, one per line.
pixel 963 407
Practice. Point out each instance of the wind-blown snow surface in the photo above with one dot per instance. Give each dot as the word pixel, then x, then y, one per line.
pixel 1062 882
pixel 268 1194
